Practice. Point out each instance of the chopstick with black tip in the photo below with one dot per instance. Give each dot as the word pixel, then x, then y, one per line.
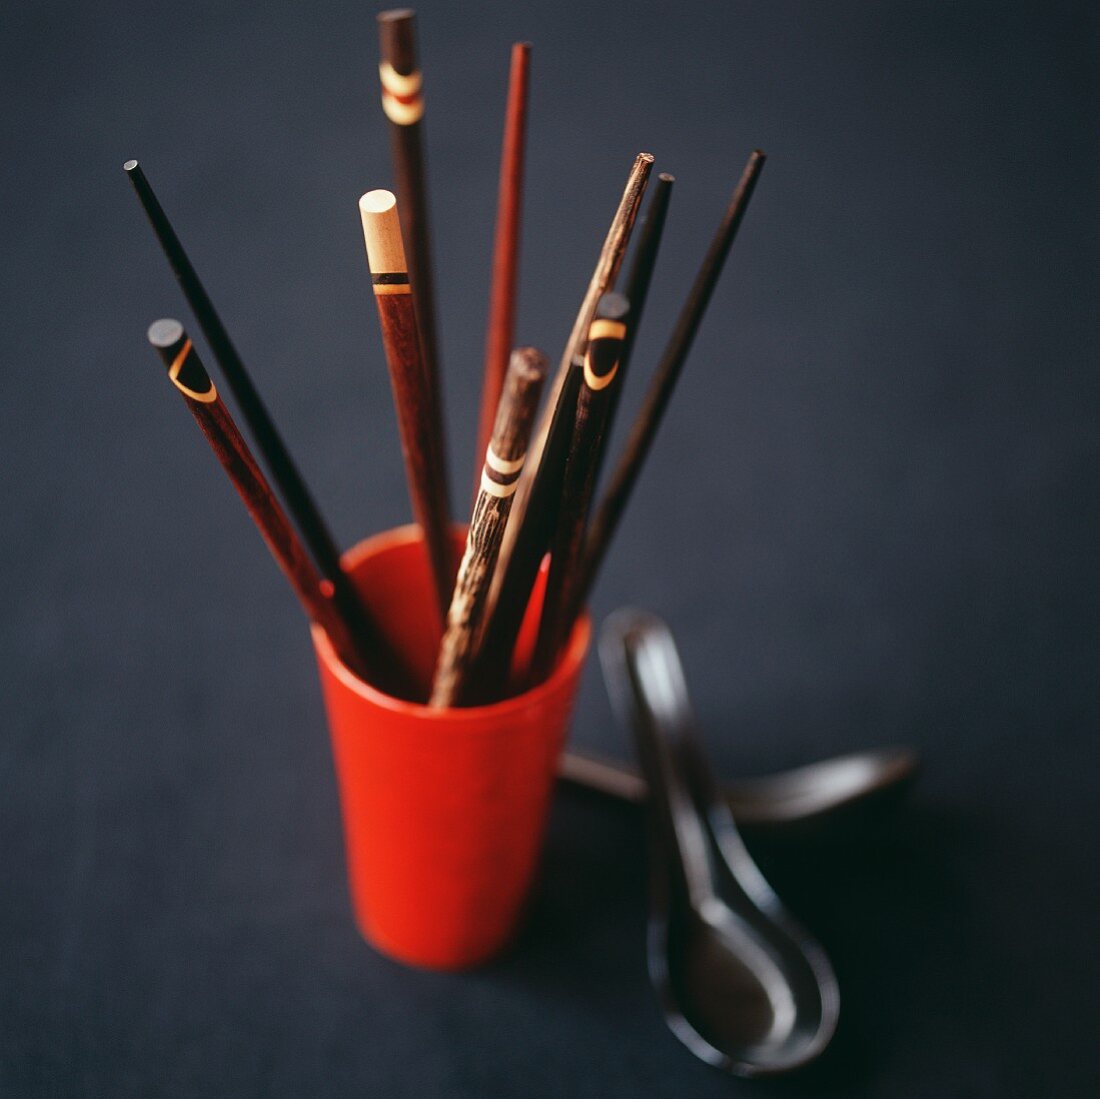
pixel 299 502
pixel 189 376
pixel 601 377
pixel 636 291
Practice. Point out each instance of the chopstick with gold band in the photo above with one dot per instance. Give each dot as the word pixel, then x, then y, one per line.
pixel 635 288
pixel 504 458
pixel 601 378
pixel 189 376
pixel 411 391
pixel 623 477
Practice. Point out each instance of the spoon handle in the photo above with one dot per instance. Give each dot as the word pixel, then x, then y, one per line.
pixel 813 793
pixel 617 780
pixel 651 699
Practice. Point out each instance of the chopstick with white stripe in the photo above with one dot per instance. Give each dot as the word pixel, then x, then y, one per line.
pixel 504 461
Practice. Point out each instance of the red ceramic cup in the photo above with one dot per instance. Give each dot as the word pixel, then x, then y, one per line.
pixel 444 810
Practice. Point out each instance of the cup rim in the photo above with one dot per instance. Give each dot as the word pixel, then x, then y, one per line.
pixel 565 668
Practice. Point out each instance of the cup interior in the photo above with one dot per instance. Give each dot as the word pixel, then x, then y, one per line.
pixel 392 572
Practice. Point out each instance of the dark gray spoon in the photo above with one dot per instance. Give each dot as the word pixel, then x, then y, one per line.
pixel 742 985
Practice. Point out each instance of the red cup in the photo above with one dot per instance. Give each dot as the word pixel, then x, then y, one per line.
pixel 444 810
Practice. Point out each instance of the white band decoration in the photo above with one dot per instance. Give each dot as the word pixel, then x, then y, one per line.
pixel 502 465
pixel 397 87
pixel 493 488
pixel 403 114
pixel 399 83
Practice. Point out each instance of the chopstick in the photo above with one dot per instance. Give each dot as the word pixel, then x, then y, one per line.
pixel 299 502
pixel 403 104
pixel 500 329
pixel 636 291
pixel 514 577
pixel 397 319
pixel 603 278
pixel 625 475
pixel 189 376
pixel 541 471
pixel 504 458
pixel 601 371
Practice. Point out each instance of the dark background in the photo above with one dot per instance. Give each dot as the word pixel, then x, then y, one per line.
pixel 870 519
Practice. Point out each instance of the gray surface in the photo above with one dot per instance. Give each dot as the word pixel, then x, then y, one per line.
pixel 870 519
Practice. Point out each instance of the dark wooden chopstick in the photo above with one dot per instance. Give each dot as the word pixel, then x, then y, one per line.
pixel 299 502
pixel 625 475
pixel 403 104
pixel 636 291
pixel 397 320
pixel 601 378
pixel 500 330
pixel 189 376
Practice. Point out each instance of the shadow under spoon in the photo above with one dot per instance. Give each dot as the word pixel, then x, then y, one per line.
pixel 741 984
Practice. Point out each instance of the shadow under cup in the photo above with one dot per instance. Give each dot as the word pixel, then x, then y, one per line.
pixel 444 810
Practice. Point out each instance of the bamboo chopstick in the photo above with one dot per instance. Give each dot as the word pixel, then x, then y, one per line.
pixel 504 458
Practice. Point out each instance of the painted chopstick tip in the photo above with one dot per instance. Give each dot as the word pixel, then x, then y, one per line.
pixel 166 332
pixel 612 306
pixel 130 166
